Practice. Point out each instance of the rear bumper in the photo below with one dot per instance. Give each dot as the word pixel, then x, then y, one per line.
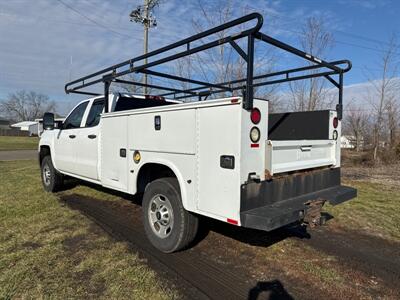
pixel 268 205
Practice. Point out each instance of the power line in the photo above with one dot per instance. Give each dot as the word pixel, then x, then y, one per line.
pixel 84 24
pixel 92 20
pixel 342 42
pixel 357 36
pixel 361 37
pixel 269 13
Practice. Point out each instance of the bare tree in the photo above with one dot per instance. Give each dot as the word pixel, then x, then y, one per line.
pixel 393 117
pixel 26 106
pixel 132 88
pixel 216 64
pixel 384 93
pixel 222 63
pixel 315 39
pixel 356 124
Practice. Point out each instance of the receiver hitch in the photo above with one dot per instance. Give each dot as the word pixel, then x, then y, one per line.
pixel 312 213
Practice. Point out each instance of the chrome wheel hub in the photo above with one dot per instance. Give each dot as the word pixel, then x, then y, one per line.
pixel 161 216
pixel 46 175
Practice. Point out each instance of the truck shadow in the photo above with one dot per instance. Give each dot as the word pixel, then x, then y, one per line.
pixel 71 183
pixel 252 237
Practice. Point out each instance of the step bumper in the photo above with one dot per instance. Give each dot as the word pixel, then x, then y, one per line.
pixel 270 205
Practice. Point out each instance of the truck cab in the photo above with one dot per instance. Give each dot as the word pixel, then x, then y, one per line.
pixel 76 142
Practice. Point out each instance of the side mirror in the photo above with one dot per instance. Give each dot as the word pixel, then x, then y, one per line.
pixel 48 121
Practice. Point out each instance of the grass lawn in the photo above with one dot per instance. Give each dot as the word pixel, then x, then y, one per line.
pixel 48 250
pixel 18 143
pixel 375 211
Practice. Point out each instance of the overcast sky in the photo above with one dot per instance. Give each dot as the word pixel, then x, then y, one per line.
pixel 44 43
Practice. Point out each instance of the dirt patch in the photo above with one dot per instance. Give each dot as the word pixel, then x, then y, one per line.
pixel 72 244
pixel 375 256
pixel 368 260
pixel 94 288
pixel 192 268
pixel 227 261
pixel 384 174
pixel 31 245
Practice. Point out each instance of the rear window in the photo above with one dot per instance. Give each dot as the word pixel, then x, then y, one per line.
pixel 127 103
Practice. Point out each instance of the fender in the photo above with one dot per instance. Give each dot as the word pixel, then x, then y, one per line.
pixel 178 174
pixel 47 139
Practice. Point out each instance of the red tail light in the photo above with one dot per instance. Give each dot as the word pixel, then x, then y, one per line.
pixel 255 115
pixel 335 122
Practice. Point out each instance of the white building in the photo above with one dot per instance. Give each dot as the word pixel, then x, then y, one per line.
pixel 31 126
pixel 350 142
pixel 346 142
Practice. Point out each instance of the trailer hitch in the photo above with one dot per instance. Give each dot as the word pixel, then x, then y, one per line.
pixel 312 213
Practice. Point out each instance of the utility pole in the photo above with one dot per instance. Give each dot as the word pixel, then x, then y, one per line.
pixel 143 14
pixel 146 39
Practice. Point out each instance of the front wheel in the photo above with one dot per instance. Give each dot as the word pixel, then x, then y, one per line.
pixel 52 180
pixel 168 226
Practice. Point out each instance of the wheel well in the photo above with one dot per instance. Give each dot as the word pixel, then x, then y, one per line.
pixel 44 151
pixel 150 172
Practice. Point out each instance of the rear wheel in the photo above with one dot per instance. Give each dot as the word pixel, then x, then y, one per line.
pixel 52 180
pixel 168 226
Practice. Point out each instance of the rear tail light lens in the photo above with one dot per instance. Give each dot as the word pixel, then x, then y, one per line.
pixel 255 134
pixel 255 115
pixel 335 122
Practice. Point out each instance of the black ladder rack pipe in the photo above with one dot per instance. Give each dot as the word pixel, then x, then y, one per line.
pixel 116 74
pixel 244 19
pixel 274 74
pixel 187 41
pixel 175 91
pixel 247 84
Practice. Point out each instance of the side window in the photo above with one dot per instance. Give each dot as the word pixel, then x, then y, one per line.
pixel 94 114
pixel 75 118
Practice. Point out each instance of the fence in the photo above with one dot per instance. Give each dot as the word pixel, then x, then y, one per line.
pixel 13 132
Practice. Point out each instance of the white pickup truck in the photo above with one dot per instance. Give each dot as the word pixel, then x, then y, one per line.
pixel 225 158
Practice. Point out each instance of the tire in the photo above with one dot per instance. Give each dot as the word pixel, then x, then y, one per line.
pixel 52 180
pixel 177 227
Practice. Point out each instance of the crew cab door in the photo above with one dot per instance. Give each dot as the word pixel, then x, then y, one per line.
pixel 88 140
pixel 66 142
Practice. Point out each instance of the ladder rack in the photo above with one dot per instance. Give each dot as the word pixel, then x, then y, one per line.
pixel 203 89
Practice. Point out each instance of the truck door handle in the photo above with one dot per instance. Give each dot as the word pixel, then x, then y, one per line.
pixel 91 136
pixel 72 136
pixel 305 148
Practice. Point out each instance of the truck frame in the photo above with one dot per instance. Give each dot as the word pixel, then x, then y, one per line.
pixel 228 158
